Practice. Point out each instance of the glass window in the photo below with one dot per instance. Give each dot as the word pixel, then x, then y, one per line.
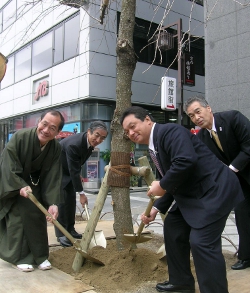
pixel 23 64
pixel 71 43
pixel 23 7
pixel 58 45
pixel 42 53
pixel 9 14
pixel 9 75
pixel 1 21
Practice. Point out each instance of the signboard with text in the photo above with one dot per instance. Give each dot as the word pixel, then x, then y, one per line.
pixel 168 93
pixel 189 70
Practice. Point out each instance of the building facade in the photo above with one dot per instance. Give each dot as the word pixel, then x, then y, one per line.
pixel 227 37
pixel 60 57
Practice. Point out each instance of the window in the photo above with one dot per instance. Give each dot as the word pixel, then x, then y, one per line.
pixel 71 42
pixel 23 64
pixel 9 14
pixel 9 75
pixel 42 53
pixel 58 45
pixel 1 21
pixel 145 48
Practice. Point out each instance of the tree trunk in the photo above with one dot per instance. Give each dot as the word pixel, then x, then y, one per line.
pixel 119 176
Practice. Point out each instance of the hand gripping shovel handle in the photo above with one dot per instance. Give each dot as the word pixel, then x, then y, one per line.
pixel 62 229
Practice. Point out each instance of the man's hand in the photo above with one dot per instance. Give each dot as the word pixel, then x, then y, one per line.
pixel 24 191
pixel 155 189
pixel 83 199
pixel 53 210
pixel 146 220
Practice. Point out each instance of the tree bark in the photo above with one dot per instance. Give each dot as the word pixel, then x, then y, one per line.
pixel 126 62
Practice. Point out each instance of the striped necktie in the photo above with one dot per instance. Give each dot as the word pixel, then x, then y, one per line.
pixel 216 139
pixel 153 157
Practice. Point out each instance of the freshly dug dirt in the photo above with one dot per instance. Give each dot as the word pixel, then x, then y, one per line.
pixel 126 271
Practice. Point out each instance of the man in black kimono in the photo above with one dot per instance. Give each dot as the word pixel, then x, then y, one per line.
pixel 30 162
pixel 76 149
pixel 233 130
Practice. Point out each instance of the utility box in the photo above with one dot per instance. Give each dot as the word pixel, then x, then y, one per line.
pixel 92 171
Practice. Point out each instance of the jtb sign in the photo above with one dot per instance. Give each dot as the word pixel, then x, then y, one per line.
pixel 42 90
pixel 168 93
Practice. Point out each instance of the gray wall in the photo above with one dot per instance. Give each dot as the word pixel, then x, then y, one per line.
pixel 227 51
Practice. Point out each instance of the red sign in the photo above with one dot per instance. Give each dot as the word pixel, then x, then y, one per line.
pixel 42 90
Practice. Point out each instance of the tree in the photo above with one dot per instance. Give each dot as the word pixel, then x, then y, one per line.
pixel 119 175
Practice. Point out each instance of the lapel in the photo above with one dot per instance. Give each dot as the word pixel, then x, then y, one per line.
pixel 221 131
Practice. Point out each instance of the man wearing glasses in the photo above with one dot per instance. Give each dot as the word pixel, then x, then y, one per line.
pixel 76 149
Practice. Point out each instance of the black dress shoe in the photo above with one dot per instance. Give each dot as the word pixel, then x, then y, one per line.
pixel 64 241
pixel 241 265
pixel 75 234
pixel 167 287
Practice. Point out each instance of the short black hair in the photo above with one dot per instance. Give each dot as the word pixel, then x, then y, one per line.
pixel 139 112
pixel 55 113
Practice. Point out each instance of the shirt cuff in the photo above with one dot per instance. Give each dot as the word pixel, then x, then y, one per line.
pixel 233 168
pixel 156 209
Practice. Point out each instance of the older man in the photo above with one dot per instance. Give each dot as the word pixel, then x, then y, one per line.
pixel 76 149
pixel 205 191
pixel 232 147
pixel 29 162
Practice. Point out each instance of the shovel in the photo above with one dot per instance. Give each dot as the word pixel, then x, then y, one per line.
pixel 98 237
pixel 76 243
pixel 138 238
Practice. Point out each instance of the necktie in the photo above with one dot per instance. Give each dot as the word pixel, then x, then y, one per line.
pixel 153 157
pixel 216 138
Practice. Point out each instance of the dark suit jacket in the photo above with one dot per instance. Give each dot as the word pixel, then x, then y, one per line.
pixel 204 188
pixel 233 129
pixel 74 154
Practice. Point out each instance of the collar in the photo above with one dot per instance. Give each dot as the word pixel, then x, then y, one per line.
pixel 213 128
pixel 151 142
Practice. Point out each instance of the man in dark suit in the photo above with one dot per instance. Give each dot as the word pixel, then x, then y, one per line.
pixel 76 149
pixel 204 190
pixel 233 130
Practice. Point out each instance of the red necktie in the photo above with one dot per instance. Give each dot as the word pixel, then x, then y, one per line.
pixel 153 157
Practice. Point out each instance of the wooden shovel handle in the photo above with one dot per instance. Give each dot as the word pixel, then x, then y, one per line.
pixel 86 211
pixel 55 222
pixel 147 213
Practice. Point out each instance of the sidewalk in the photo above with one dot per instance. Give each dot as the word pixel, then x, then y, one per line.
pixel 56 281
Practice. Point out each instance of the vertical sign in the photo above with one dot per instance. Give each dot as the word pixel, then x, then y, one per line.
pixel 189 72
pixel 168 93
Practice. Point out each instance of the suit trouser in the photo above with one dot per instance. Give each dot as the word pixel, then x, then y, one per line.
pixel 67 210
pixel 242 218
pixel 206 249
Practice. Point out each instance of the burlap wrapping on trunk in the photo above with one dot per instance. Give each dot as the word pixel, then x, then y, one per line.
pixel 119 172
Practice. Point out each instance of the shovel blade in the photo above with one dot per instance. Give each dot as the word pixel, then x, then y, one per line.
pixel 135 238
pixel 98 240
pixel 77 246
pixel 161 251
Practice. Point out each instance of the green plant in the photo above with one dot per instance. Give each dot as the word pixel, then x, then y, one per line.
pixel 105 155
pixel 134 180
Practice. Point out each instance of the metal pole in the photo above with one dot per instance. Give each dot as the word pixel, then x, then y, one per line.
pixel 180 74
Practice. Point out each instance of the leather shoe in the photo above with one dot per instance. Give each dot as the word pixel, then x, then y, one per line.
pixel 64 241
pixel 241 265
pixel 75 234
pixel 167 287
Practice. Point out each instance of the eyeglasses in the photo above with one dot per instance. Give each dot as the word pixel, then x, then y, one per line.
pixel 98 135
pixel 51 129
